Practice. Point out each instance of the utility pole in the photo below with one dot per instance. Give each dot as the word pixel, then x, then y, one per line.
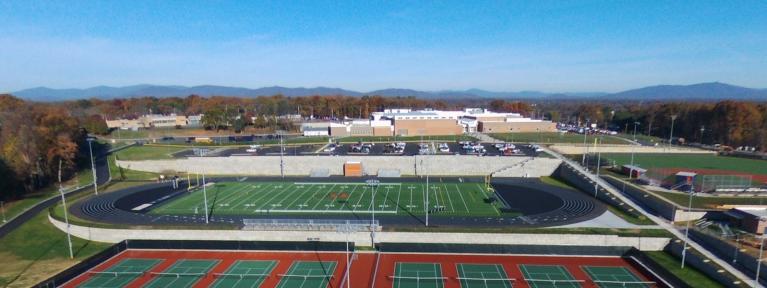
pixel 205 198
pixel 66 217
pixel 427 196
pixel 585 148
pixel 759 261
pixel 93 167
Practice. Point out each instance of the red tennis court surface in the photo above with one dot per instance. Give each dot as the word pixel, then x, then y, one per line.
pixel 291 269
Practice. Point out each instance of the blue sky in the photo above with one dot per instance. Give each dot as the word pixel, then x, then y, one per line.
pixel 553 46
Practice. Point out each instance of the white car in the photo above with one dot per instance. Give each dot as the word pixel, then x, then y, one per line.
pixel 251 150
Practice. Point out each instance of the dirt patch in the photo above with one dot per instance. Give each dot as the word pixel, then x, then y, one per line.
pixel 40 271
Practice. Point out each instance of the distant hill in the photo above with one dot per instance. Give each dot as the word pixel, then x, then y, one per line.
pixel 702 91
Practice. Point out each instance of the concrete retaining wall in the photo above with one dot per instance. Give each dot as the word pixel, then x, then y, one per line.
pixel 363 238
pixel 578 149
pixel 665 209
pixel 453 165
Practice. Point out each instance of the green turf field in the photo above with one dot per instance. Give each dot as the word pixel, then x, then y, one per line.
pixel 245 273
pixel 692 161
pixel 483 276
pixel 125 272
pixel 418 275
pixel 251 198
pixel 183 273
pixel 308 274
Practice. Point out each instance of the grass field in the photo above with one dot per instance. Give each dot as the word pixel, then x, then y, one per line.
pixel 248 198
pixel 692 161
pixel 689 275
pixel 555 137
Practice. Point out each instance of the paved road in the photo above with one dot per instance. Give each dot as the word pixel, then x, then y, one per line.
pixel 661 222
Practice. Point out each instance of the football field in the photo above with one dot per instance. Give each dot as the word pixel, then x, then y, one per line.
pixel 252 198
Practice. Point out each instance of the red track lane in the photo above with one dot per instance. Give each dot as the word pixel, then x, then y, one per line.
pixel 363 267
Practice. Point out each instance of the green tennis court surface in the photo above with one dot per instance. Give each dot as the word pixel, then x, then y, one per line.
pixel 256 198
pixel 548 276
pixel 308 274
pixel 124 272
pixel 418 275
pixel 245 273
pixel 183 273
pixel 483 276
pixel 614 277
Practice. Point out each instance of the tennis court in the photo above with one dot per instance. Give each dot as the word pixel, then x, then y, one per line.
pixel 120 274
pixel 258 198
pixel 245 273
pixel 483 276
pixel 549 276
pixel 183 273
pixel 308 274
pixel 418 275
pixel 608 277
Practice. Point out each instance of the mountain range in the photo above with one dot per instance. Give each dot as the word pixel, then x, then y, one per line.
pixel 701 91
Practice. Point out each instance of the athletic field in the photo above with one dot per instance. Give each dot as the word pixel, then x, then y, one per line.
pixel 252 198
pixel 705 164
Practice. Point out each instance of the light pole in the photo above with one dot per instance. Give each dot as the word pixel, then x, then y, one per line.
pixel 426 206
pixel 346 229
pixel 599 161
pixel 2 208
pixel 671 135
pixel 93 167
pixel 687 230
pixel 759 261
pixel 632 150
pixel 702 128
pixel 66 217
pixel 205 198
pixel 282 151
pixel 585 148
pixel 372 183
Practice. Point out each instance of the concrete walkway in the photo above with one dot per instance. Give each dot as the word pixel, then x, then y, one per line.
pixel 661 222
pixel 608 220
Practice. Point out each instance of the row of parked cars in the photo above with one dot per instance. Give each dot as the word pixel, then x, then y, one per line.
pixel 472 147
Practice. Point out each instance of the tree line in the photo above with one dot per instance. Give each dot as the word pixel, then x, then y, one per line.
pixel 35 136
pixel 34 139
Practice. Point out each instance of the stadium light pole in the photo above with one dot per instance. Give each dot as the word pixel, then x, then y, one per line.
pixel 585 148
pixel 66 216
pixel 93 167
pixel 632 150
pixel 373 183
pixel 205 198
pixel 282 151
pixel 599 161
pixel 759 261
pixel 687 229
pixel 671 135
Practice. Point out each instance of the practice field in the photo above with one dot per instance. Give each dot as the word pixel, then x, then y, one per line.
pixel 256 198
pixel 692 161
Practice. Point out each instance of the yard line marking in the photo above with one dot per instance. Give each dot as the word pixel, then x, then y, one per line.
pixel 362 196
pixel 351 195
pixel 269 202
pixel 258 199
pixel 303 189
pixel 247 195
pixel 448 198
pixel 331 202
pixel 460 193
pixel 396 205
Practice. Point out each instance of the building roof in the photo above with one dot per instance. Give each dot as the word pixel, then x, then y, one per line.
pixel 686 174
pixel 752 211
pixel 635 168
